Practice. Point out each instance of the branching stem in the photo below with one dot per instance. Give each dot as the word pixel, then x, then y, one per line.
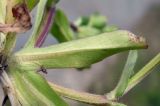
pixel 94 99
pixel 146 70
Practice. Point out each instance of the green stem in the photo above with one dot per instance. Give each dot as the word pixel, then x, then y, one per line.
pixel 126 74
pixel 39 16
pixel 7 17
pixel 146 70
pixel 79 96
pixel 11 37
pixel 98 100
pixel 31 4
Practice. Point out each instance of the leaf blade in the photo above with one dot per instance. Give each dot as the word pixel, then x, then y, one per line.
pixel 41 85
pixel 61 27
pixel 83 52
pixel 38 20
pixel 37 90
pixel 125 77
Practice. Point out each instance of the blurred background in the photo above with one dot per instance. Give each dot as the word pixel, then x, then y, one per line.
pixel 142 17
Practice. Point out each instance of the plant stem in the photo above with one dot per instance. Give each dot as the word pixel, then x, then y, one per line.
pixel 46 27
pixel 98 100
pixel 126 74
pixel 8 88
pixel 146 70
pixel 80 96
pixel 42 17
pixel 11 37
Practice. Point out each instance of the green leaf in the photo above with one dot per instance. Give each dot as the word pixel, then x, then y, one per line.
pixel 82 21
pixel 40 84
pixel 31 3
pixel 125 77
pixel 32 89
pixel 51 2
pixel 86 31
pixel 24 94
pixel 92 25
pixel 61 28
pixel 81 53
pixel 39 17
pixel 97 21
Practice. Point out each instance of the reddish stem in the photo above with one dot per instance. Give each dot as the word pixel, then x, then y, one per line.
pixel 46 28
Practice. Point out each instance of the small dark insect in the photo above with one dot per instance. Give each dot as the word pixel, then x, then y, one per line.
pixel 74 27
pixel 42 69
pixel 5 100
pixel 2 68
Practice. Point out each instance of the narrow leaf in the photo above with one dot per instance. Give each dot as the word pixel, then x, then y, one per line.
pixel 37 91
pixel 31 3
pixel 39 17
pixel 44 17
pixel 46 23
pixel 145 71
pixel 86 31
pixel 97 21
pixel 82 21
pixel 39 83
pixel 25 98
pixel 92 25
pixel 61 29
pixel 45 28
pixel 81 53
pixel 125 77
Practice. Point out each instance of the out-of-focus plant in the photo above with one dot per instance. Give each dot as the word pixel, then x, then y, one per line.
pixel 81 44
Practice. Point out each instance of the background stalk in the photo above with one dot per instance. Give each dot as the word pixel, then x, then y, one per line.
pixel 146 70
